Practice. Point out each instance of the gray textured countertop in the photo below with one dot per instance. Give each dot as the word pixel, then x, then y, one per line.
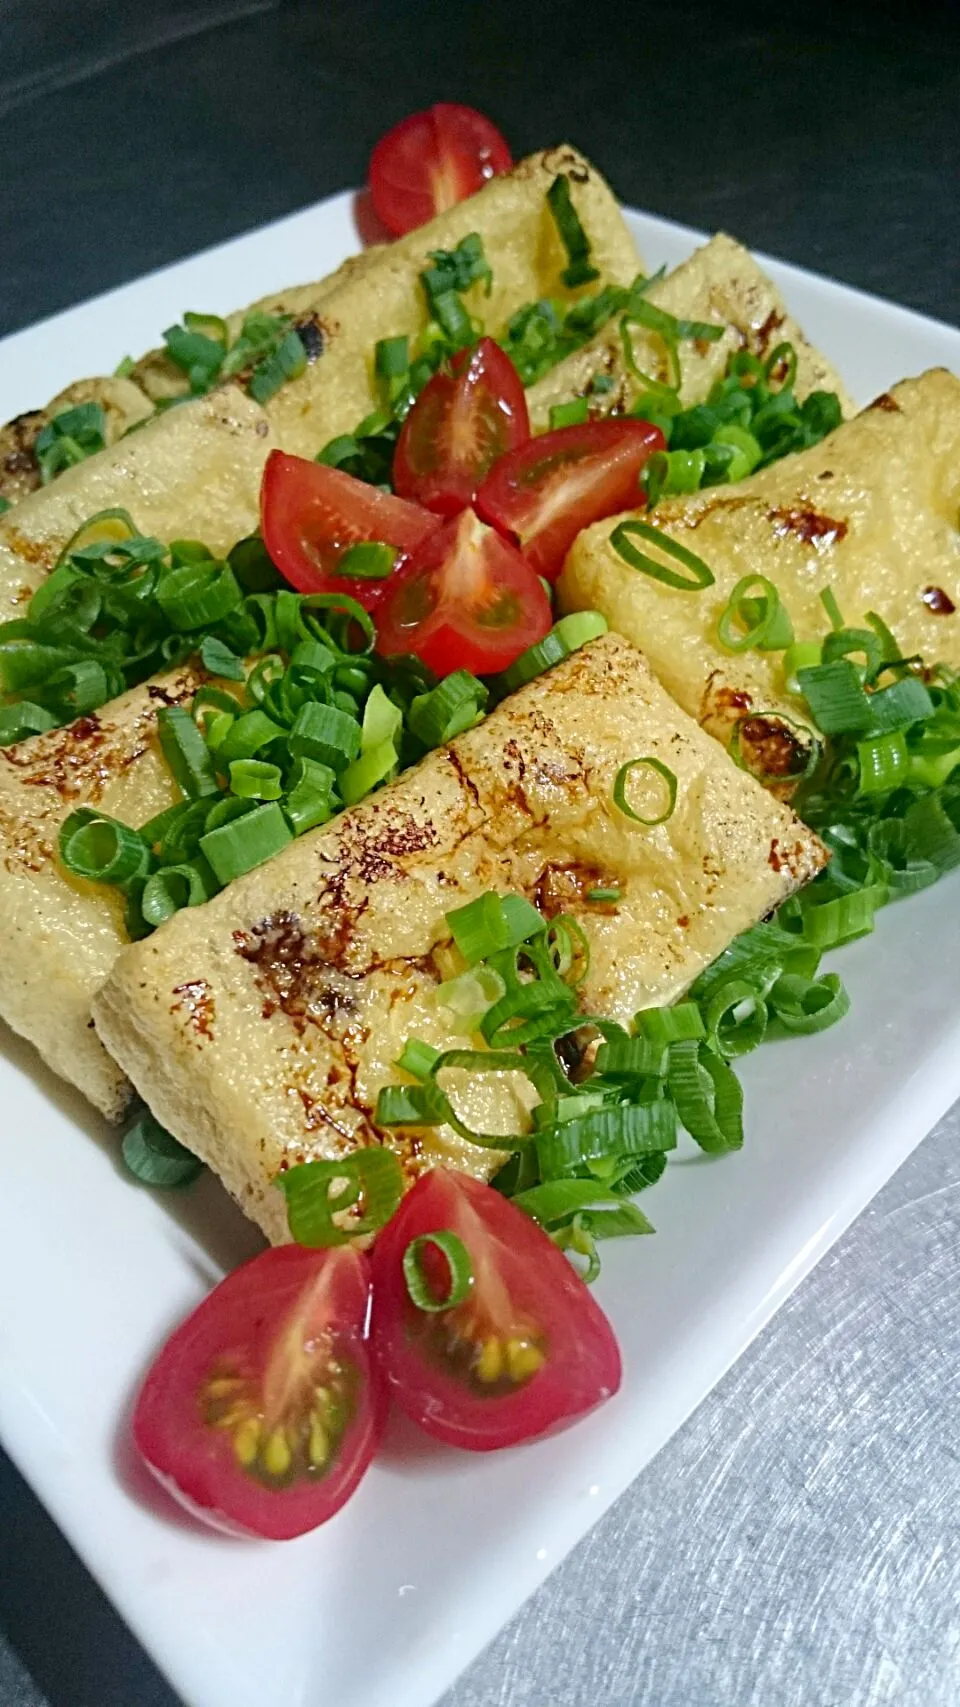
pixel 796 1544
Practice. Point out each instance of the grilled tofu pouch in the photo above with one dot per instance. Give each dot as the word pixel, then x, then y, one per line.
pixel 871 513
pixel 260 1028
pixel 722 285
pixel 194 471
pixel 379 295
pixel 63 935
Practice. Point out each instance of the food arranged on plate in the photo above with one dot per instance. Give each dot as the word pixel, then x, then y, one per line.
pixel 446 713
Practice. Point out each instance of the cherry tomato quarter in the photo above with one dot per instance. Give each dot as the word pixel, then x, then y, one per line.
pixel 463 420
pixel 310 515
pixel 432 160
pixel 467 600
pixel 263 1410
pixel 544 492
pixel 526 1352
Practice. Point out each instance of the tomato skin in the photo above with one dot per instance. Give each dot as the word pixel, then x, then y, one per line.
pixel 432 160
pixel 508 1251
pixel 463 420
pixel 467 600
pixel 545 492
pixel 310 514
pixel 278 1301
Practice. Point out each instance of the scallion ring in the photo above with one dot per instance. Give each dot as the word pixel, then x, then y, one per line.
pixel 620 791
pixel 422 1284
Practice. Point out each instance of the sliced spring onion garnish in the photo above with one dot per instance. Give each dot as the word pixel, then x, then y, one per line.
pixel 437 1260
pixel 246 842
pixel 492 923
pixel 455 704
pixel 579 270
pixel 835 695
pixel 565 637
pixel 371 560
pixel 321 1196
pixel 154 1157
pixel 708 1096
pixel 667 776
pixel 754 618
pixel 571 414
pixel 698 576
pixel 100 849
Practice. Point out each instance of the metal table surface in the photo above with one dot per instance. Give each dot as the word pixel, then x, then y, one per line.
pixel 796 1544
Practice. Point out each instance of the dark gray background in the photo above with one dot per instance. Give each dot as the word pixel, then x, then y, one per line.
pixel 797 1544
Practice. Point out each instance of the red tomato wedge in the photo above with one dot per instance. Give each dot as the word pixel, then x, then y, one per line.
pixel 263 1411
pixel 551 487
pixel 311 514
pixel 528 1351
pixel 466 600
pixel 463 420
pixel 432 160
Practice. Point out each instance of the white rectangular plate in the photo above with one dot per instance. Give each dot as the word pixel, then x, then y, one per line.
pixel 438 1549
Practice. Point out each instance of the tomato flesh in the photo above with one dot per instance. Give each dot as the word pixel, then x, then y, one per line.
pixel 463 420
pixel 545 491
pixel 310 515
pixel 527 1352
pixel 263 1410
pixel 432 160
pixel 467 600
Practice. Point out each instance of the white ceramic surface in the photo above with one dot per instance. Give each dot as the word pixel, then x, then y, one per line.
pixel 437 1549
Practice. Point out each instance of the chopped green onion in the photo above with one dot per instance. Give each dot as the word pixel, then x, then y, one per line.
pixel 288 361
pixel 374 766
pixel 756 606
pixel 155 1158
pixel 418 1058
pixel 175 886
pixel 185 751
pixel 699 575
pixel 802 655
pixel 322 732
pixel 454 705
pixel 632 1058
pixel 371 560
pixel 828 599
pixel 821 1003
pixel 834 693
pixel 736 1018
pixel 369 1181
pixel 572 414
pixel 421 1283
pixel 219 660
pixel 620 786
pixel 101 849
pixel 884 762
pixel 246 842
pixel 662 1026
pixel 579 270
pixel 309 797
pixel 831 923
pixel 600 894
pixel 708 1096
pixel 629 1129
pixel 492 923
pixel 254 779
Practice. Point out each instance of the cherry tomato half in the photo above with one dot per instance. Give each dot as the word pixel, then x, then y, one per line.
pixel 528 1350
pixel 461 423
pixel 466 600
pixel 263 1410
pixel 311 514
pixel 432 160
pixel 551 487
